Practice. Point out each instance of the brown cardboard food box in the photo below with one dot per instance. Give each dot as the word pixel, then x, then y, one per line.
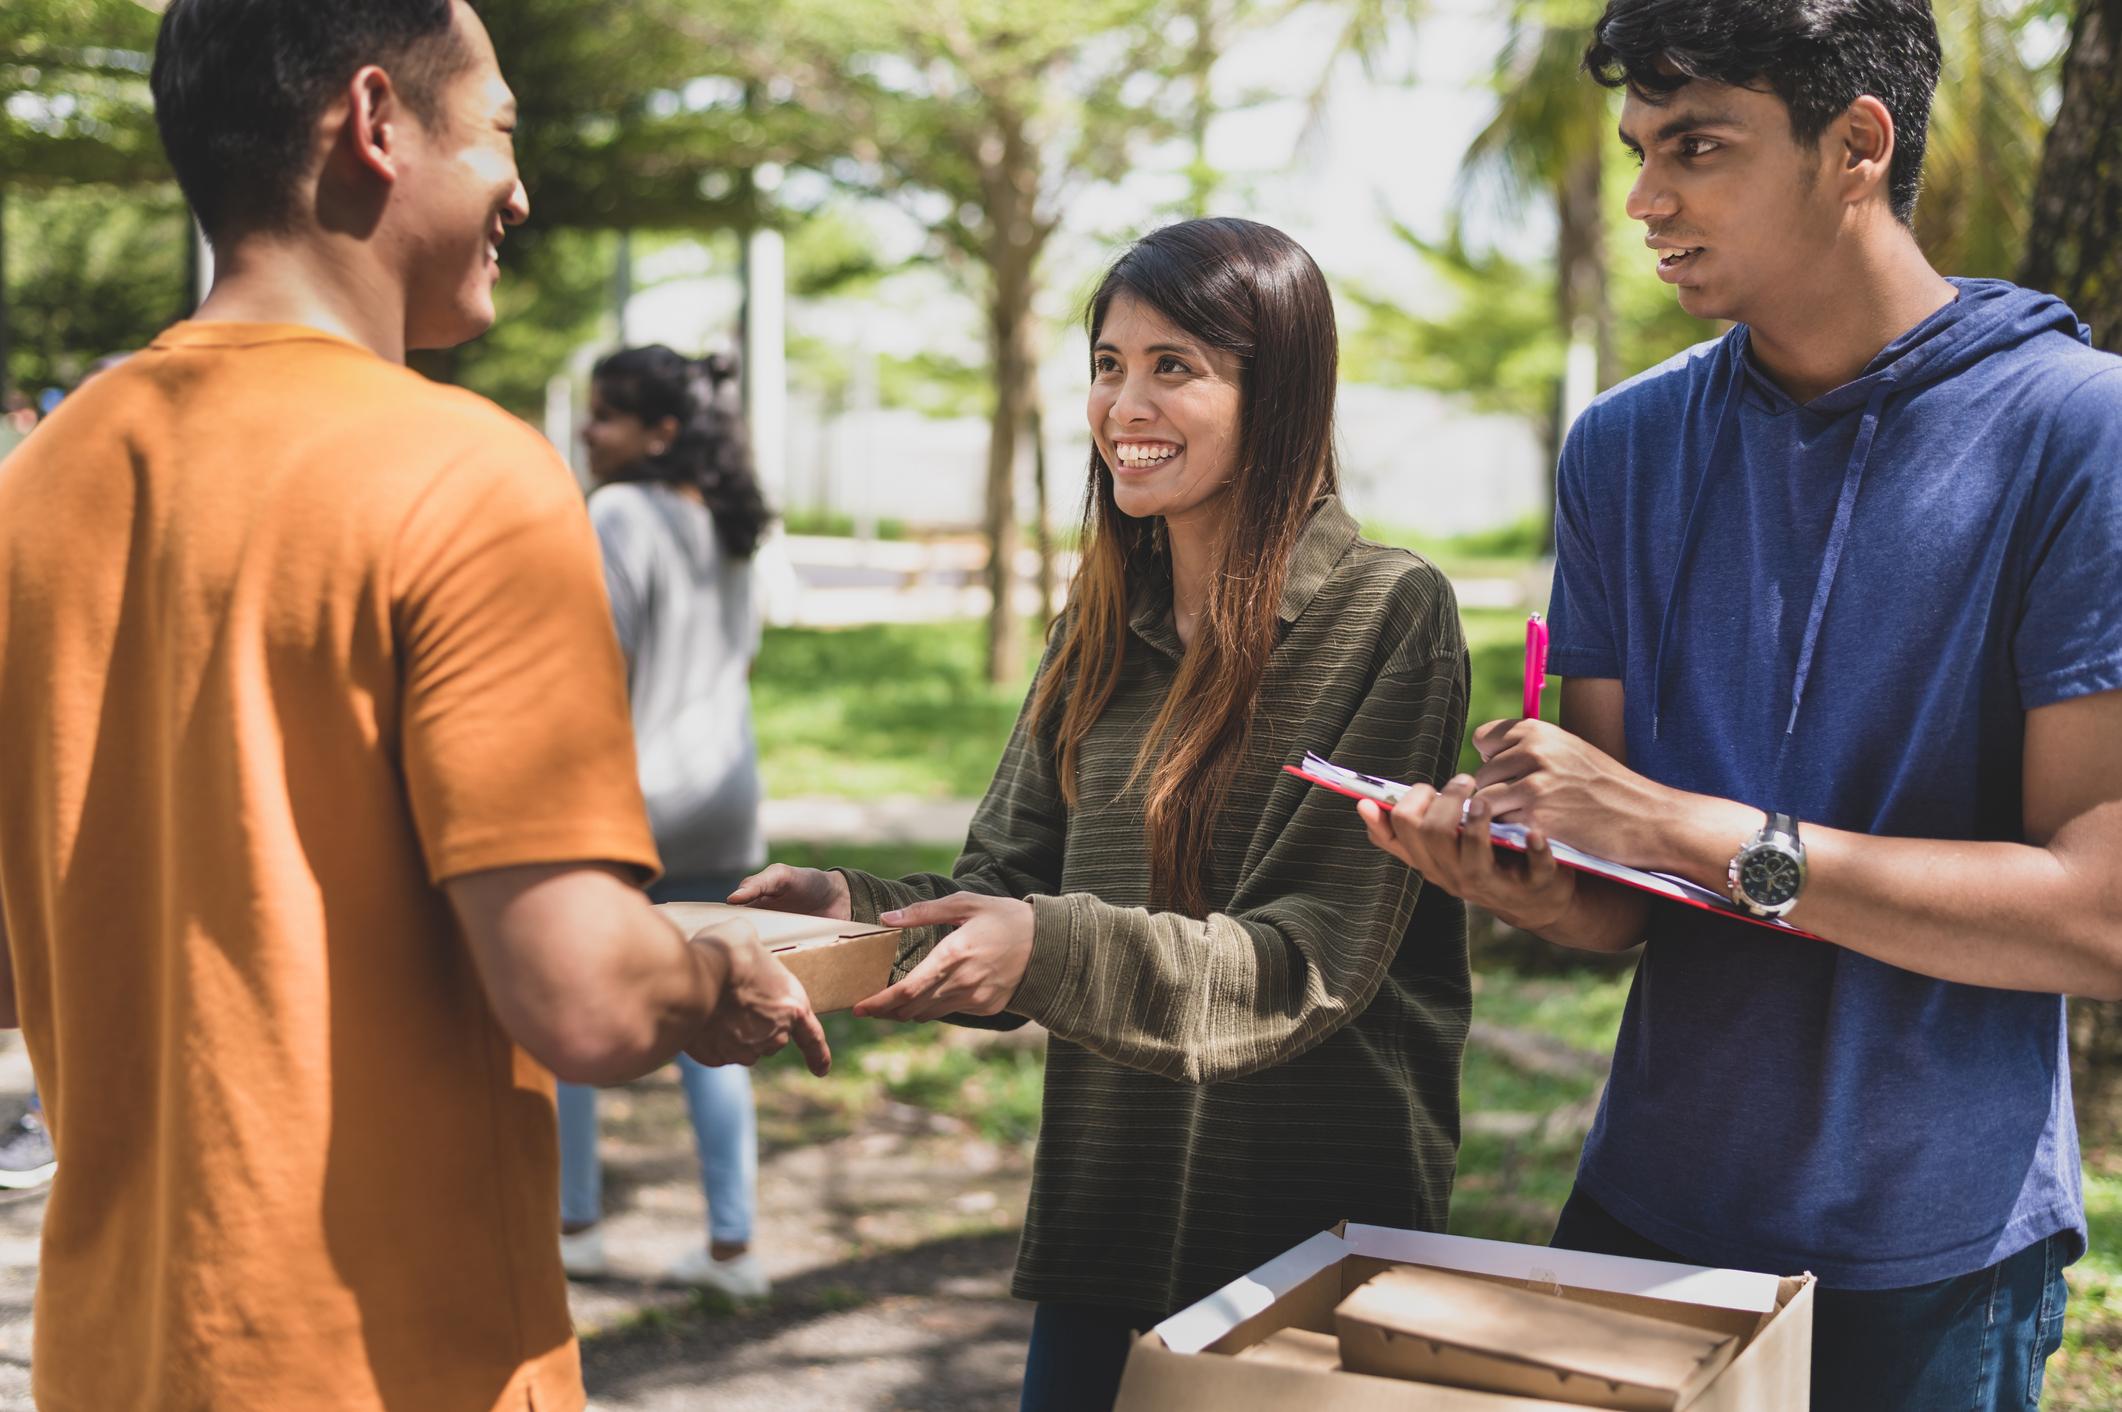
pixel 1438 1326
pixel 1201 1359
pixel 839 963
pixel 1298 1348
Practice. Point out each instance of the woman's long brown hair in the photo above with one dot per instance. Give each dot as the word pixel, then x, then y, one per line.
pixel 1254 293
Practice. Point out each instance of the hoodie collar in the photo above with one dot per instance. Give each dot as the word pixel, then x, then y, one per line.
pixel 1986 317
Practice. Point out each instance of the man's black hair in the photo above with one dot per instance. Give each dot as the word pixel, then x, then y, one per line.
pixel 1818 56
pixel 239 86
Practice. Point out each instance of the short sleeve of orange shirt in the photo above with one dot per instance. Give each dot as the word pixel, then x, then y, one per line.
pixel 515 710
pixel 288 635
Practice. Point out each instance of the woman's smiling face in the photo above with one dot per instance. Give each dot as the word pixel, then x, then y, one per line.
pixel 1164 410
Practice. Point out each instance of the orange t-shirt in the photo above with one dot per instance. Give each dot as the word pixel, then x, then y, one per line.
pixel 288 635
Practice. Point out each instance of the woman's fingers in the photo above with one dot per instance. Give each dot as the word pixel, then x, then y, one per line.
pixel 1378 824
pixel 776 880
pixel 1476 853
pixel 899 1002
pixel 957 908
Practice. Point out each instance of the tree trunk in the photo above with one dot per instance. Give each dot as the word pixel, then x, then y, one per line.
pixel 1200 69
pixel 1015 237
pixel 7 384
pixel 1582 305
pixel 1042 525
pixel 1580 286
pixel 2074 244
pixel 1010 318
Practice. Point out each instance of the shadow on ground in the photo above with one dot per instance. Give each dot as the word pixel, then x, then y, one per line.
pixel 927 1327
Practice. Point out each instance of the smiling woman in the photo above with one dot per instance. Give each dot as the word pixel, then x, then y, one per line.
pixel 1255 1028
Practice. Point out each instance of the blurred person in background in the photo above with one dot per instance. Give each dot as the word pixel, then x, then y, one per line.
pixel 679 514
pixel 20 416
pixel 26 1157
pixel 1255 1029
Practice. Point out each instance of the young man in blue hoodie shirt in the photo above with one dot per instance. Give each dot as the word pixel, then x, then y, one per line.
pixel 1839 599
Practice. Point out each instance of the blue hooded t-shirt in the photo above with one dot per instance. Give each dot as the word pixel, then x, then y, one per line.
pixel 1843 610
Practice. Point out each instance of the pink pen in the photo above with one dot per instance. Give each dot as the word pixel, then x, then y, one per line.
pixel 1535 664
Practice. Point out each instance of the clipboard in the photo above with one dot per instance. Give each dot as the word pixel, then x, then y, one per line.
pixel 1511 837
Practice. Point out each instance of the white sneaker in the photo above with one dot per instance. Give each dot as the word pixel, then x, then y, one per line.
pixel 740 1278
pixel 582 1255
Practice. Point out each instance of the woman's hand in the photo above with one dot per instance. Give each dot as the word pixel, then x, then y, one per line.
pixel 1424 831
pixel 973 971
pixel 811 892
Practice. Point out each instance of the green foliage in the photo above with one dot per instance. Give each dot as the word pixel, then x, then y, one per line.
pixel 935 385
pixel 90 271
pixel 832 253
pixel 1496 341
pixel 1986 133
pixel 74 105
pixel 995 108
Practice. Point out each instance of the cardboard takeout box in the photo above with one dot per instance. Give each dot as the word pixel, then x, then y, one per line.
pixel 1440 1326
pixel 838 962
pixel 1235 1352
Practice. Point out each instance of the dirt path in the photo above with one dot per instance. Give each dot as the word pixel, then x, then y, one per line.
pixel 889 1234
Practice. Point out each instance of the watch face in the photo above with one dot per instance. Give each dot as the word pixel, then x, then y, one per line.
pixel 1769 876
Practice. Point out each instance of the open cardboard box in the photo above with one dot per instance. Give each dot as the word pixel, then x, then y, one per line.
pixel 838 962
pixel 1191 1362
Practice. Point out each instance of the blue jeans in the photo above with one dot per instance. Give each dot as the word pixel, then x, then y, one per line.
pixel 725 1131
pixel 1974 1343
pixel 1077 1354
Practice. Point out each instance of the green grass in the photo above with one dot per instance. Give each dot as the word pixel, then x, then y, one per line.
pixel 1503 552
pixel 883 710
pixel 2087 1374
pixel 834 525
pixel 1511 1187
pixel 906 710
pixel 886 860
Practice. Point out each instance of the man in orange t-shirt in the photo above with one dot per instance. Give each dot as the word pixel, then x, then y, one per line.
pixel 317 792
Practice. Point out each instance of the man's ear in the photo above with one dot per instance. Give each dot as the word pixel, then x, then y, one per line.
pixel 1867 142
pixel 375 120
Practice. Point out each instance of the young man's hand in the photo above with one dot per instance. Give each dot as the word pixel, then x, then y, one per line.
pixel 1540 775
pixel 762 1007
pixel 1443 835
pixel 810 892
pixel 973 971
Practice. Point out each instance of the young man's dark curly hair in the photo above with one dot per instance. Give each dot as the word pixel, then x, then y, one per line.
pixel 1818 56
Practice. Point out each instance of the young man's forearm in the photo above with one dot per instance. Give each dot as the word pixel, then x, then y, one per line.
pixel 2010 915
pixel 583 972
pixel 661 988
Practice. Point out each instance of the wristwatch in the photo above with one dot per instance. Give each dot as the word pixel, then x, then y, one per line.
pixel 1768 873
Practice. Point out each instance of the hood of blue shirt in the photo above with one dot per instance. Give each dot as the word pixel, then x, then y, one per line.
pixel 1987 317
